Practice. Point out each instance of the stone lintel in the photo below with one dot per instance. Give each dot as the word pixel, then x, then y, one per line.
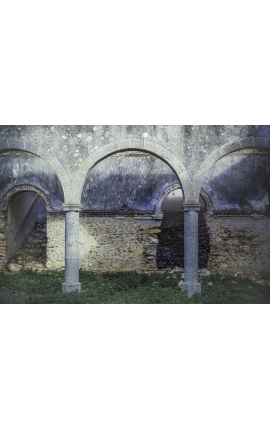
pixel 191 206
pixel 68 288
pixel 191 288
pixel 69 207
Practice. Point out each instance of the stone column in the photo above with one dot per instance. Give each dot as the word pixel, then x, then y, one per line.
pixel 191 284
pixel 72 230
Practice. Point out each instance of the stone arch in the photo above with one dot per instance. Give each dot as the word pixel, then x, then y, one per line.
pixel 236 145
pixel 177 185
pixel 165 192
pixel 20 188
pixel 131 145
pixel 42 152
pixel 208 202
pixel 13 236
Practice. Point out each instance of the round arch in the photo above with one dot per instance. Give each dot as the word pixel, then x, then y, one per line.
pixel 250 142
pixel 21 188
pixel 177 185
pixel 41 152
pixel 155 149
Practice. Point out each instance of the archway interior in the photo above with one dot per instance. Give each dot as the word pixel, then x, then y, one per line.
pixel 118 228
pixel 26 230
pixel 239 189
pixel 129 181
pixel 170 248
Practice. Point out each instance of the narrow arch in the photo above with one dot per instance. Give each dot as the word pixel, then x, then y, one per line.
pixel 20 188
pixel 23 213
pixel 170 247
pixel 132 145
pixel 177 185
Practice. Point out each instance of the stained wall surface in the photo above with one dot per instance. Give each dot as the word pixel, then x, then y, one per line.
pixel 107 243
pixel 119 171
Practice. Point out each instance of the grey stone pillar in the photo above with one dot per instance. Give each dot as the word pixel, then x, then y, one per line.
pixel 191 284
pixel 71 247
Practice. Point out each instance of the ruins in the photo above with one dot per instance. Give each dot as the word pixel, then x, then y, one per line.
pixel 143 198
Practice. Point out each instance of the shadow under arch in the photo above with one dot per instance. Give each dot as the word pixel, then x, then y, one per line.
pixel 203 173
pixel 23 211
pixel 132 145
pixel 176 186
pixel 44 154
pixel 170 247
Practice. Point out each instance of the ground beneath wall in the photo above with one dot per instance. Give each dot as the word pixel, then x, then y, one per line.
pixel 128 287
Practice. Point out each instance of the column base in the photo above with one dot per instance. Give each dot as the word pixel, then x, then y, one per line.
pixel 191 287
pixel 67 288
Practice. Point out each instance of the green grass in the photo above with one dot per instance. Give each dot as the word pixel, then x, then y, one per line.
pixel 126 287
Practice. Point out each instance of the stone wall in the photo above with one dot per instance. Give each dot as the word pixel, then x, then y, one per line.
pixel 240 244
pixel 23 212
pixel 3 237
pixel 107 243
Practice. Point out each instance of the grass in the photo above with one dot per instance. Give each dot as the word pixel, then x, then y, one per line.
pixel 127 287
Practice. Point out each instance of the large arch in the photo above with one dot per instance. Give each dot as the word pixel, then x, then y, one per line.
pixel 42 152
pixel 130 145
pixel 250 142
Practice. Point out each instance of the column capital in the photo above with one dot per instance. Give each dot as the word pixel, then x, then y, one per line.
pixel 191 206
pixel 74 207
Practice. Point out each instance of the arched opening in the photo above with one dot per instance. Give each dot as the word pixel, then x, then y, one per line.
pixel 239 187
pixel 118 226
pixel 170 248
pixel 26 232
pixel 28 183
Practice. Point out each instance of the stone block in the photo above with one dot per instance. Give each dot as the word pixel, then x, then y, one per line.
pixel 68 288
pixel 16 144
pixel 58 167
pixel 45 154
pixel 31 147
pixel 232 146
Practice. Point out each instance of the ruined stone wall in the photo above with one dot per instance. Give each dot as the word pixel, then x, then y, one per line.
pixel 55 240
pixel 24 210
pixel 107 243
pixel 3 238
pixel 240 244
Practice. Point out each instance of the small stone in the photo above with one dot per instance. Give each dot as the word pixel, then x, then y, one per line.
pixel 14 268
pixel 204 272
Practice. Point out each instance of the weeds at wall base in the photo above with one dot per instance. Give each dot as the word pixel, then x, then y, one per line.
pixel 127 287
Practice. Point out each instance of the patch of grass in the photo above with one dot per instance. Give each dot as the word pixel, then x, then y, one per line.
pixel 126 287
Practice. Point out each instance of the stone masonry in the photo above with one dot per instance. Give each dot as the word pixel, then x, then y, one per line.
pixel 77 170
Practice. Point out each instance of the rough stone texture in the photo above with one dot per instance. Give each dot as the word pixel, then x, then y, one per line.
pixel 170 248
pixel 82 164
pixel 240 244
pixel 25 209
pixel 55 241
pixel 107 243
pixel 14 268
pixel 118 243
